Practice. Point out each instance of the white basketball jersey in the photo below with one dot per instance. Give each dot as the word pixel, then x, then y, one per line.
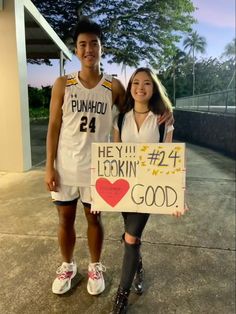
pixel 86 119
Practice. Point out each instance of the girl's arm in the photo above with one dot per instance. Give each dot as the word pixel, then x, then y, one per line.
pixel 168 136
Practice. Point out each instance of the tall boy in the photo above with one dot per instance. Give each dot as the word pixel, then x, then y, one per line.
pixel 80 113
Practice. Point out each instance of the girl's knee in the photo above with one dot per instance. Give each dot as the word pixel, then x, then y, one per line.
pixel 129 239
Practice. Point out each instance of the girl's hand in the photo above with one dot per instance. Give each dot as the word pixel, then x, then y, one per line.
pixel 178 214
pixel 186 208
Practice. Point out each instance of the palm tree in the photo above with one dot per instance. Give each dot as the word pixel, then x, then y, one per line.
pixel 174 65
pixel 177 61
pixel 229 52
pixel 195 43
pixel 230 49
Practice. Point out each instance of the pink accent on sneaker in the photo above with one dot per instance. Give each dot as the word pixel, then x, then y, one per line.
pixel 65 275
pixel 94 275
pixel 96 283
pixel 63 281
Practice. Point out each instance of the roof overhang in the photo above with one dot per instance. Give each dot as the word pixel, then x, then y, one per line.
pixel 42 42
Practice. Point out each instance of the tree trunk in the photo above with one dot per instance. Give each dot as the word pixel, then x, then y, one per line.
pixel 193 73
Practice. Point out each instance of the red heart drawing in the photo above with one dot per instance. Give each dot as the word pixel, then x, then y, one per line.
pixel 112 193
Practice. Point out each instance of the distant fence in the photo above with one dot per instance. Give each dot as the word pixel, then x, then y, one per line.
pixel 213 130
pixel 217 102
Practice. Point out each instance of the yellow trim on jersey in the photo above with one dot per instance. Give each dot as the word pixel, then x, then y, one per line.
pixel 107 84
pixel 71 81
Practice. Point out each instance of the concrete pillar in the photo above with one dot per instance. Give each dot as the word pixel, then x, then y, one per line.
pixel 15 150
pixel 1 5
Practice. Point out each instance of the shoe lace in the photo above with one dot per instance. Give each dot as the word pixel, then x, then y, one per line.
pixel 96 272
pixel 63 272
pixel 139 275
pixel 120 302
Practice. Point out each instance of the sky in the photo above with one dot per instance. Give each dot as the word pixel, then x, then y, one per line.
pixel 215 22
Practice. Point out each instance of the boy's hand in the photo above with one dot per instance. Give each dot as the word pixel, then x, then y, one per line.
pixel 166 118
pixel 52 180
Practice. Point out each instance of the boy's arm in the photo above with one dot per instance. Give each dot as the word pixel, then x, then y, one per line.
pixel 118 93
pixel 54 127
pixel 116 136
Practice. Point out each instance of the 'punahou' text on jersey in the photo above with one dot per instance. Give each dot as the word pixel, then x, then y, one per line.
pixel 87 118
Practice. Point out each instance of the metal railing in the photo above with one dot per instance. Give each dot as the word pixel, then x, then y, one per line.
pixel 218 102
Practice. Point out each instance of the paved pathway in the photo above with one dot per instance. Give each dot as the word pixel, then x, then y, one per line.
pixel 190 262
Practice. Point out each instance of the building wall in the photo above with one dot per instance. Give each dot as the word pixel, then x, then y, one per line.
pixel 14 113
pixel 216 131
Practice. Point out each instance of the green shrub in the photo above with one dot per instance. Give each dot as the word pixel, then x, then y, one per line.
pixel 39 97
pixel 38 113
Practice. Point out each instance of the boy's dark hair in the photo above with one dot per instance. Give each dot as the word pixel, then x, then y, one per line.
pixel 85 25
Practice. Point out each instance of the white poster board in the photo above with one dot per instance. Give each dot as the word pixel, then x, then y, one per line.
pixel 145 178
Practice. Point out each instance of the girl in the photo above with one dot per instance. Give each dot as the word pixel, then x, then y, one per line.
pixel 146 99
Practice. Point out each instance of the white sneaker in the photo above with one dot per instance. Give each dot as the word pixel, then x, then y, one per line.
pixel 65 273
pixel 96 283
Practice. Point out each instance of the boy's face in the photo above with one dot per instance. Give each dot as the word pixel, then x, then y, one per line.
pixel 88 49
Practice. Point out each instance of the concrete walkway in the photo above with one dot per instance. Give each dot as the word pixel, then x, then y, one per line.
pixel 189 261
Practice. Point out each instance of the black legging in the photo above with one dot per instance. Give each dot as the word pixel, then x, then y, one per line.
pixel 134 225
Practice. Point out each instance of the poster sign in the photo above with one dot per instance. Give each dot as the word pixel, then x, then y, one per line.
pixel 145 178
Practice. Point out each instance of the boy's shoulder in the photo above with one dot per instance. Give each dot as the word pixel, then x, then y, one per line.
pixel 72 75
pixel 71 79
pixel 117 84
pixel 60 81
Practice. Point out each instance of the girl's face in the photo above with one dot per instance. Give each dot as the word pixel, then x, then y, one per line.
pixel 142 88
